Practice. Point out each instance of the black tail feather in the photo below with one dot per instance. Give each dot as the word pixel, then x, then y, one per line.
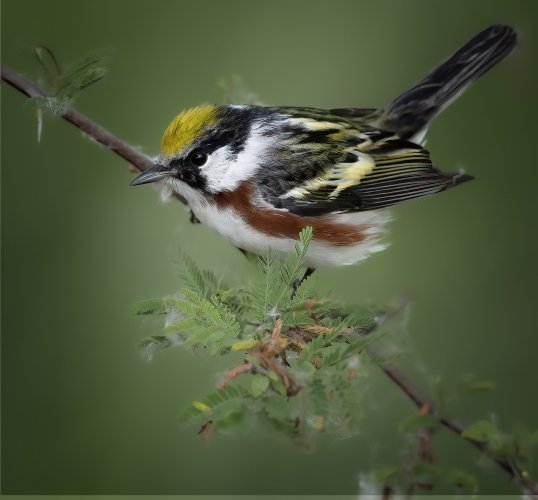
pixel 409 113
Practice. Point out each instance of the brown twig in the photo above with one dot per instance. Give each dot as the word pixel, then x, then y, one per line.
pixel 425 436
pixel 424 454
pixel 139 160
pixel 244 367
pixel 271 352
pixel 142 162
pixel 422 401
pixel 425 404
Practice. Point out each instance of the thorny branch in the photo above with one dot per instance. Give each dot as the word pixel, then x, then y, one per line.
pixel 139 160
pixel 133 156
pixel 457 426
pixel 427 406
pixel 142 162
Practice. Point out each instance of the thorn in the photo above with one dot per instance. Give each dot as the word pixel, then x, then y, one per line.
pixel 39 112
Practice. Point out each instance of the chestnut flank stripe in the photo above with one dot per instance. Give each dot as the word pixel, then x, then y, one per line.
pixel 285 225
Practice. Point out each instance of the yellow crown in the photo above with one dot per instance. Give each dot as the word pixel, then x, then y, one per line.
pixel 186 126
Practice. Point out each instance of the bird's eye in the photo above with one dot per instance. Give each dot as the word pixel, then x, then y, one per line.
pixel 197 158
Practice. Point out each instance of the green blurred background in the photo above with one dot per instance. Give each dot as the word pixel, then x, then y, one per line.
pixel 81 412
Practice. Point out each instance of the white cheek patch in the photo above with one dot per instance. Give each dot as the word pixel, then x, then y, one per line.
pixel 223 172
pixel 216 168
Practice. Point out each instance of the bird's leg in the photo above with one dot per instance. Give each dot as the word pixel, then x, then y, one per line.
pixel 193 219
pixel 249 255
pixel 309 271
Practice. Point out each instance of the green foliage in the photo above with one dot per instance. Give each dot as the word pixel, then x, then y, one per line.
pixel 419 477
pixel 259 385
pixel 215 404
pixel 419 421
pixel 518 446
pixel 149 346
pixel 418 474
pixel 468 385
pixel 483 430
pixel 273 285
pixel 419 471
pixel 202 322
pixel 149 306
pixel 271 320
pixel 64 84
pixel 202 282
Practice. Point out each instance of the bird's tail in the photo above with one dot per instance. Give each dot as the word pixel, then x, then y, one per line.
pixel 410 113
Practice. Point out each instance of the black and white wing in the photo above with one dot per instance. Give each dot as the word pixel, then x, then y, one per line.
pixel 338 167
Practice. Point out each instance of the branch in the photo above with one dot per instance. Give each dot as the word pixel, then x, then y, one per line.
pixel 139 160
pixel 421 401
pixel 142 162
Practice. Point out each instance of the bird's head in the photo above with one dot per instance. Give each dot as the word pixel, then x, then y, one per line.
pixel 210 149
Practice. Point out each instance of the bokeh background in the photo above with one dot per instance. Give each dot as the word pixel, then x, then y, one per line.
pixel 82 413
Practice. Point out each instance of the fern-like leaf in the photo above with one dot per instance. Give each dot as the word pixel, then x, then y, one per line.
pixel 273 285
pixel 319 396
pixel 149 306
pixel 264 283
pixel 204 283
pixel 150 345
pixel 204 322
pixel 214 403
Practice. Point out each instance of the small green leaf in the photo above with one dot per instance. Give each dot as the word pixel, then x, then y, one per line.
pixel 48 62
pixel 427 473
pixel 271 290
pixel 211 324
pixel 282 425
pixel 415 422
pixel 213 402
pixel 90 77
pixel 204 283
pixel 150 345
pixel 482 430
pixel 230 419
pixel 463 480
pixel 386 474
pixel 258 385
pixel 149 306
pixel 477 387
pixel 279 387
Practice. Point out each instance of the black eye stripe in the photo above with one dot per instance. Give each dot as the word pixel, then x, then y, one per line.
pixel 175 163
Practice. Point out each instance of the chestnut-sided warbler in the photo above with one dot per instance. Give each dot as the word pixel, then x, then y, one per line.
pixel 258 175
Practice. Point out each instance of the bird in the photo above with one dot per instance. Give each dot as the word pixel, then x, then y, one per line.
pixel 258 175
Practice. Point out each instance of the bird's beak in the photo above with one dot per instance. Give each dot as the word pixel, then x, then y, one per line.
pixel 153 174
